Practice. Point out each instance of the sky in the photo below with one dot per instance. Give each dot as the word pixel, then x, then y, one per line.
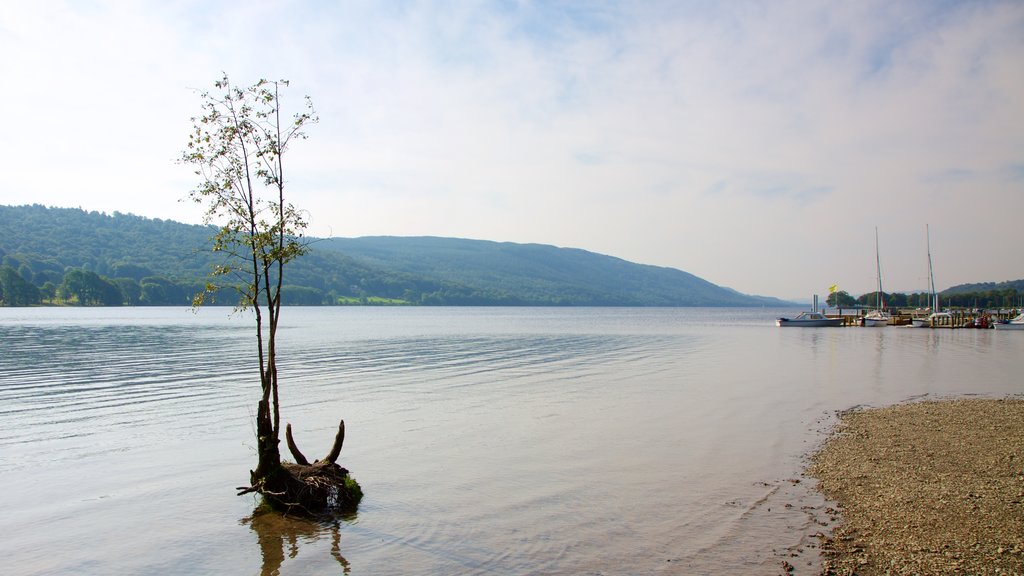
pixel 757 145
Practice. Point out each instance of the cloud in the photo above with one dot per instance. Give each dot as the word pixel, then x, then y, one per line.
pixel 716 138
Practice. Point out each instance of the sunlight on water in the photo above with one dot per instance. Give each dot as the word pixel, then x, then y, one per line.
pixel 488 441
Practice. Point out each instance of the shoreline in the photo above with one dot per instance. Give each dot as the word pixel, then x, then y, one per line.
pixel 932 487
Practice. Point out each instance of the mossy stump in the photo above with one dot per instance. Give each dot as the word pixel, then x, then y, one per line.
pixel 305 488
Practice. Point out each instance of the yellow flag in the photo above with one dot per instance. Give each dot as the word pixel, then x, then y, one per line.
pixel 833 289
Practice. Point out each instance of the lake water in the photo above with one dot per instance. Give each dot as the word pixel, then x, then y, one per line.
pixel 487 440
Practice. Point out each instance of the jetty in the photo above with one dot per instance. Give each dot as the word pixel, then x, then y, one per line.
pixel 954 318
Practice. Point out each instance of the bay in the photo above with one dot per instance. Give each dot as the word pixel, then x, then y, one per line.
pixel 487 440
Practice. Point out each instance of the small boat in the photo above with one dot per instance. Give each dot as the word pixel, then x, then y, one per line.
pixel 936 317
pixel 809 320
pixel 922 317
pixel 1016 323
pixel 934 320
pixel 879 316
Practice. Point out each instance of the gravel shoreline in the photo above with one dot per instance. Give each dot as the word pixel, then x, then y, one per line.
pixel 931 487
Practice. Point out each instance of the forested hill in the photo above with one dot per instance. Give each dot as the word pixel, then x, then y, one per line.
pixel 1013 286
pixel 540 273
pixel 71 256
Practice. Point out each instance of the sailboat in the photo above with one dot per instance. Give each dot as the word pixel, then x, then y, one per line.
pixel 935 317
pixel 879 316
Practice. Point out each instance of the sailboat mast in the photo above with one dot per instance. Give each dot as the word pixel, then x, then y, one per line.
pixel 878 265
pixel 931 275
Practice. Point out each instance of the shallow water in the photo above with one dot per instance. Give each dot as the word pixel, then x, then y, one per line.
pixel 487 440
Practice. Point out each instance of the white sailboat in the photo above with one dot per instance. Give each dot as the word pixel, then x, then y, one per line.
pixel 936 317
pixel 879 316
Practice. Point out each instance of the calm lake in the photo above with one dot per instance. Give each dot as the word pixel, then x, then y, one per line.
pixel 487 440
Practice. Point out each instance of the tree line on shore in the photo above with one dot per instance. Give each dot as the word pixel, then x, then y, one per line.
pixel 994 298
pixel 77 286
pixel 22 286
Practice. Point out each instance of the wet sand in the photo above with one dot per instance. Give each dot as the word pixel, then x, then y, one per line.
pixel 926 488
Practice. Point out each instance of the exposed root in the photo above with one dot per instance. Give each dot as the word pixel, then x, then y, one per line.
pixel 243 490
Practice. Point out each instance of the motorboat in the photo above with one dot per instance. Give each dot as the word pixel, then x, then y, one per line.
pixel 1016 323
pixel 809 320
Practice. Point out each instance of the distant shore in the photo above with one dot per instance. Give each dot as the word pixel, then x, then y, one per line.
pixel 926 488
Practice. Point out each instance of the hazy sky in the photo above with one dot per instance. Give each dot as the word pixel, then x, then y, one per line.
pixel 754 144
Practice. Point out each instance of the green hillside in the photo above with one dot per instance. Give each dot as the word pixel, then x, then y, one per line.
pixel 540 274
pixel 71 256
pixel 1008 285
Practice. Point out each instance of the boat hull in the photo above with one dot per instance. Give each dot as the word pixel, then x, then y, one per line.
pixel 787 322
pixel 1015 323
pixel 934 320
pixel 1009 326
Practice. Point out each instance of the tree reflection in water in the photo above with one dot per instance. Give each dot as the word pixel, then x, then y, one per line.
pixel 277 532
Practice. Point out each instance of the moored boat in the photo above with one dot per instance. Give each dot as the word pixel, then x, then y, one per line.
pixel 934 320
pixel 879 316
pixel 936 317
pixel 809 320
pixel 1016 323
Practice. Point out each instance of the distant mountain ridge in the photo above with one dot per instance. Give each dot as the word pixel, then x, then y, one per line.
pixel 541 273
pixel 139 254
pixel 1013 285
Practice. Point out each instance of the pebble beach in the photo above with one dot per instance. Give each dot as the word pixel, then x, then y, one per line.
pixel 932 487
